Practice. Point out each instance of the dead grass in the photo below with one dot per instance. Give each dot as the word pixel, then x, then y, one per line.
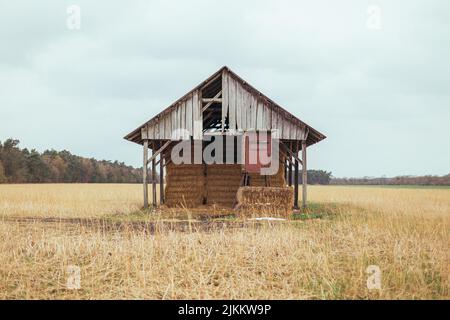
pixel 322 256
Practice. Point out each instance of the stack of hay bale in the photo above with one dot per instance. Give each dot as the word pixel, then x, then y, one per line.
pixel 265 201
pixel 222 183
pixel 185 185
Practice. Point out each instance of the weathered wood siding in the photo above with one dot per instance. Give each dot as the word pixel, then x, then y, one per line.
pixel 183 120
pixel 247 110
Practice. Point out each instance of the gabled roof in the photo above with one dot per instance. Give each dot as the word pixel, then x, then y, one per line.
pixel 314 136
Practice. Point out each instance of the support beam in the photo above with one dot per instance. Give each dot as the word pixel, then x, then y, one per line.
pixel 153 177
pixel 304 174
pixel 207 100
pixel 296 178
pixel 145 174
pixel 155 154
pixel 290 166
pixel 286 170
pixel 161 179
pixel 211 101
pixel 289 152
pixel 285 156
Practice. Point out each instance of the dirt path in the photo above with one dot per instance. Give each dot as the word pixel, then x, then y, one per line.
pixel 150 226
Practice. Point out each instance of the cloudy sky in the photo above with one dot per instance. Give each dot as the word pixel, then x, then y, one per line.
pixel 374 76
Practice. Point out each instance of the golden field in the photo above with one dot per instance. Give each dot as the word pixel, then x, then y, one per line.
pixel 125 253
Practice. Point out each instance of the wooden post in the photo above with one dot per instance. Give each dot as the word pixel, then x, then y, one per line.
pixel 285 170
pixel 154 176
pixel 161 179
pixel 304 174
pixel 145 174
pixel 290 167
pixel 296 178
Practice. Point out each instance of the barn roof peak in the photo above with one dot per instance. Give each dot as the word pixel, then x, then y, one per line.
pixel 225 101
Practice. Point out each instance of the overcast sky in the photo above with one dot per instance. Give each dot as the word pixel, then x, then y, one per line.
pixel 374 76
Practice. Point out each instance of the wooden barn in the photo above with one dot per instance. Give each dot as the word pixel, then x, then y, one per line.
pixel 223 110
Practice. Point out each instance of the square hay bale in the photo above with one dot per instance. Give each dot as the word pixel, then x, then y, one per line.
pixel 185 185
pixel 265 201
pixel 222 184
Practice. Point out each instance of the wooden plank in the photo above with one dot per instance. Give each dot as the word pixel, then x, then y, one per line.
pixel 199 125
pixel 174 123
pixel 144 133
pixel 183 119
pixel 296 177
pixel 248 115
pixel 161 178
pixel 154 179
pixel 294 130
pixel 197 116
pixel 287 148
pixel 274 122
pixel 211 101
pixel 239 105
pixel 260 115
pixel 254 112
pixel 156 130
pixel 189 114
pixel 285 170
pixel 180 120
pixel 287 125
pixel 232 103
pixel 167 125
pixel 224 98
pixel 304 175
pixel 172 116
pixel 161 149
pixel 244 109
pixel 286 128
pixel 268 117
pixel 151 132
pixel 162 128
pixel 145 173
pixel 280 125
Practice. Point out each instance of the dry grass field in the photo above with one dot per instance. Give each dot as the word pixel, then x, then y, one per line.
pixel 321 254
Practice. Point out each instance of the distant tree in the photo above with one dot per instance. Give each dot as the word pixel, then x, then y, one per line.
pixel 315 177
pixel 14 161
pixel 2 173
pixel 38 171
pixel 318 177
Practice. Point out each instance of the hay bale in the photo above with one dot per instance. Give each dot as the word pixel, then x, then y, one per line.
pixel 222 183
pixel 259 201
pixel 185 185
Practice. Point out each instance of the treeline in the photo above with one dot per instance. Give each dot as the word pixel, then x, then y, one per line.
pixel 29 166
pixel 401 180
pixel 315 177
pixel 324 178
